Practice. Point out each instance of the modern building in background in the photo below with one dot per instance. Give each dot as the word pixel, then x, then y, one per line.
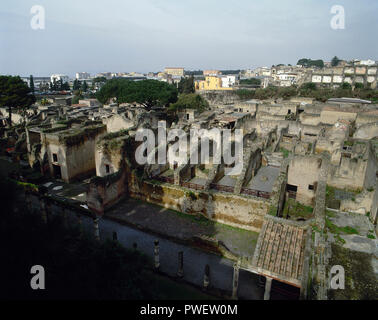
pixel 58 77
pixel 82 75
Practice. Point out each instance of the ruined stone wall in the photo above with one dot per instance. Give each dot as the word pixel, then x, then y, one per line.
pixel 303 172
pixel 80 159
pixel 117 123
pixel 374 208
pixel 219 97
pixel 350 174
pixel 238 211
pixel 331 117
pixel 366 131
pixel 309 119
pixel 104 192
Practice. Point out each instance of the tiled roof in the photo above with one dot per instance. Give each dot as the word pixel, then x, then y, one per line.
pixel 280 251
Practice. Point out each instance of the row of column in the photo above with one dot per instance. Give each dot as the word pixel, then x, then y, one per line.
pixel 180 271
pixel 235 283
pixel 46 207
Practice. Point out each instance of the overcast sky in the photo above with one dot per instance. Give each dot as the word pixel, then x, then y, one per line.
pixel 147 35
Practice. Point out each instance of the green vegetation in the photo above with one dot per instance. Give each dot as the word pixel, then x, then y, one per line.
pixel 186 85
pixel 360 280
pixel 339 230
pixel 371 236
pixel 294 209
pixel 15 94
pixel 285 152
pixel 252 81
pixel 191 195
pixel 272 210
pixel 311 63
pixel 335 61
pixel 189 101
pixel 148 93
pixel 80 135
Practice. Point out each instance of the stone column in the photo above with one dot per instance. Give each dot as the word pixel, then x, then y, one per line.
pixel 180 272
pixel 206 277
pixel 268 286
pixel 235 282
pixel 96 229
pixel 156 255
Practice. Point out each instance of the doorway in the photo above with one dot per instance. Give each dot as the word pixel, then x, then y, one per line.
pixel 57 171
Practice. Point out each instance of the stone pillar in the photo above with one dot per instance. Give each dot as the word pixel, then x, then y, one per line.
pixel 268 286
pixel 96 229
pixel 206 277
pixel 180 271
pixel 115 237
pixel 235 282
pixel 156 255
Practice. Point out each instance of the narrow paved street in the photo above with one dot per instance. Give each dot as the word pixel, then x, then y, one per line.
pixel 221 269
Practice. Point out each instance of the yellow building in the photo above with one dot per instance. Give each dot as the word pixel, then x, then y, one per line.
pixel 211 83
pixel 179 72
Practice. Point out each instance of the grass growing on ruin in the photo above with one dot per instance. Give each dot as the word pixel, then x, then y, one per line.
pixel 285 152
pixel 294 209
pixel 339 230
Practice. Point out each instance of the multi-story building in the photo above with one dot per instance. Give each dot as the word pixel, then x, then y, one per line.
pixel 212 83
pixel 211 73
pixel 178 72
pixel 58 77
pixel 82 75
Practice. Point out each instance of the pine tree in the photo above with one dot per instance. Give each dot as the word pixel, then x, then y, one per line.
pixel 31 84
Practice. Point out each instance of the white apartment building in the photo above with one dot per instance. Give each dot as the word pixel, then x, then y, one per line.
pixel 58 77
pixel 82 75
pixel 229 81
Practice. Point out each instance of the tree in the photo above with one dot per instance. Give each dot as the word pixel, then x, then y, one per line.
pixel 186 85
pixel 31 84
pixel 149 93
pixel 76 85
pixel 346 85
pixel 311 63
pixel 252 81
pixel 15 93
pixel 309 86
pixel 335 61
pixel 189 101
pixel 66 86
pixel 84 87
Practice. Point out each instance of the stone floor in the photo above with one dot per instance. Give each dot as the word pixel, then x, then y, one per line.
pixel 74 191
